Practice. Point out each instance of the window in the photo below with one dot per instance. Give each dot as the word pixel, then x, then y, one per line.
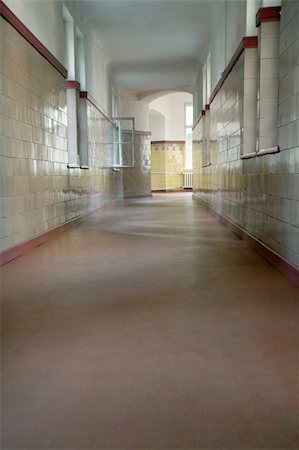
pixel 118 147
pixel 208 82
pixel 69 43
pixel 74 59
pixel 206 161
pixel 114 103
pixel 123 142
pixel 204 85
pixel 72 94
pixel 188 135
pixel 80 59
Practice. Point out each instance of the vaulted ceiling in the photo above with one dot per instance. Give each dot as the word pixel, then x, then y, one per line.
pixel 153 45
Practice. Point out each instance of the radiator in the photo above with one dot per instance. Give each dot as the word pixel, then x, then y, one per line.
pixel 188 180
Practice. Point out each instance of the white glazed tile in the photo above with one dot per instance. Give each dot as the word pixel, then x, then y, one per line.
pixel 269 48
pixel 268 107
pixel 296 80
pixel 269 68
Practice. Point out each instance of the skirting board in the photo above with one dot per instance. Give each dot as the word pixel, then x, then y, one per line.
pixel 277 261
pixel 22 248
pixel 173 191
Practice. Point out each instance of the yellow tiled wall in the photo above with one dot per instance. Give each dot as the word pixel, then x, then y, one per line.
pixel 158 175
pixel 259 194
pixel 137 180
pixel 167 160
pixel 38 191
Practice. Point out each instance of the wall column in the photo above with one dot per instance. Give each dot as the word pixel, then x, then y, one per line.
pixel 250 44
pixel 267 20
pixel 72 101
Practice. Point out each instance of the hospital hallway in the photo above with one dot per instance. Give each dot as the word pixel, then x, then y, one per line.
pixel 149 326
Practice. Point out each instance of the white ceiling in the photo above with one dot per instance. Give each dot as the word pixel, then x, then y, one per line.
pixel 152 45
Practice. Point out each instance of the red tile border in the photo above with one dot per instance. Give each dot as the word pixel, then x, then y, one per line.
pixel 198 120
pixel 246 42
pixel 171 191
pixel 250 42
pixel 167 142
pixel 268 14
pixel 18 250
pixel 16 23
pixel 277 261
pixel 84 94
pixel 72 84
pixel 87 96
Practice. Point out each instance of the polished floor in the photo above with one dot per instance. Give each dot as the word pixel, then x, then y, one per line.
pixel 150 326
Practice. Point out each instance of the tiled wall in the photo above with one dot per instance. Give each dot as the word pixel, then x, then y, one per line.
pixel 38 192
pixel 227 33
pixel 260 194
pixel 158 175
pixel 137 180
pixel 104 185
pixel 200 177
pixel 167 165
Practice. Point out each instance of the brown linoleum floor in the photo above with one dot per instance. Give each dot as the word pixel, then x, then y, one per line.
pixel 150 326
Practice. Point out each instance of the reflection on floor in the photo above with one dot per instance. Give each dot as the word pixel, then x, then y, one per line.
pixel 150 326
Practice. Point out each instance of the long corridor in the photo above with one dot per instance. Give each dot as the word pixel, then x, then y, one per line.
pixel 149 326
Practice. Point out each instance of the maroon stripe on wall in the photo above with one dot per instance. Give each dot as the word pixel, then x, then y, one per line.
pixel 22 248
pixel 269 14
pixel 167 142
pixel 250 42
pixel 84 94
pixel 199 118
pixel 72 84
pixel 246 42
pixel 277 261
pixel 12 19
pixel 171 191
pixel 87 96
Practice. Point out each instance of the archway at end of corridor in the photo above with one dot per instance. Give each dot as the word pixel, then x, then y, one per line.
pixel 171 119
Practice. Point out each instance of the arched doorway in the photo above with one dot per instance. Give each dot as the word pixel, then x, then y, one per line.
pixel 171 142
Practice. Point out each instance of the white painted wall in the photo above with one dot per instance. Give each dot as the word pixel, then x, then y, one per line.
pixel 33 13
pixel 267 3
pixel 164 117
pixel 98 79
pixel 45 20
pixel 231 26
pixel 235 26
pixel 251 9
pixel 131 107
pixel 157 125
pixel 172 107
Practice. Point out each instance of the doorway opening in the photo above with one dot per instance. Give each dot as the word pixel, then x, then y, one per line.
pixel 171 120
